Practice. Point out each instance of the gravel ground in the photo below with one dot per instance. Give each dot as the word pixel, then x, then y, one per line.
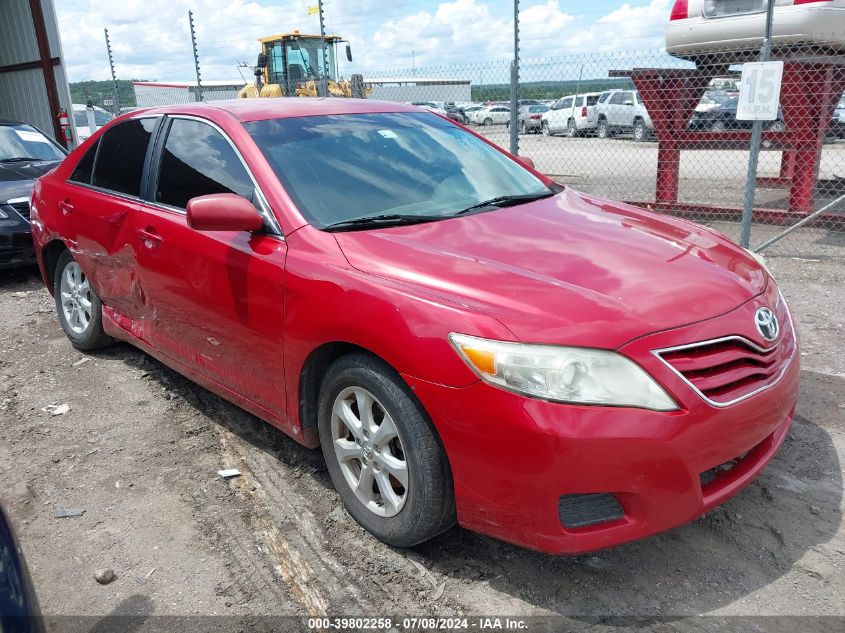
pixel 139 448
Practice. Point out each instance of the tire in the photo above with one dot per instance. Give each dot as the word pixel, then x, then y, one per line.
pixel 522 128
pixel 777 126
pixel 640 131
pixel 602 131
pixel 406 515
pixel 488 122
pixel 82 324
pixel 571 129
pixel 546 131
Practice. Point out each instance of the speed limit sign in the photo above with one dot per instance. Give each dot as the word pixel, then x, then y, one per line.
pixel 759 91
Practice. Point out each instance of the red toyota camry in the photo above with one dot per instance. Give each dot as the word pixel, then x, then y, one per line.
pixel 466 340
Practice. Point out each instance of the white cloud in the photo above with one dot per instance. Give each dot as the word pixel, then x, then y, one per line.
pixel 151 40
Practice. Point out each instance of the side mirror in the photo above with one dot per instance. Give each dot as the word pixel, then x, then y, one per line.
pixel 348 52
pixel 223 212
pixel 527 161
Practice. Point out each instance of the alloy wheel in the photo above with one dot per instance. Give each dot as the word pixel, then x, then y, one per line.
pixel 570 129
pixel 76 298
pixel 369 451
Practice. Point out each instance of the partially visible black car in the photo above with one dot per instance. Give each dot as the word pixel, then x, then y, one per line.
pixel 19 612
pixel 26 153
pixel 723 117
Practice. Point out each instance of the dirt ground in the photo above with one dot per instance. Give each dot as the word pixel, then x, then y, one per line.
pixel 140 446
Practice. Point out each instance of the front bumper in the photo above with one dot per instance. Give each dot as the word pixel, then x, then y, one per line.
pixel 513 457
pixel 16 247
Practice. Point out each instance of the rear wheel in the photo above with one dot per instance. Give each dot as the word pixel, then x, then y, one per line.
pixel 777 126
pixel 522 128
pixel 488 121
pixel 546 130
pixel 602 131
pixel 79 308
pixel 718 126
pixel 383 454
pixel 571 129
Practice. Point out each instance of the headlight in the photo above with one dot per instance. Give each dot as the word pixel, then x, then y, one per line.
pixel 563 374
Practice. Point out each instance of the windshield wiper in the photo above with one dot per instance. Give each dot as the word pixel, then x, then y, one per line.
pixel 505 201
pixel 18 159
pixel 392 219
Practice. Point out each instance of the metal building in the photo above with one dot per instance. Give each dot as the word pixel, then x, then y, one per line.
pixel 158 93
pixel 33 84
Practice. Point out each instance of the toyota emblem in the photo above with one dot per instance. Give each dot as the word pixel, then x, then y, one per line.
pixel 767 323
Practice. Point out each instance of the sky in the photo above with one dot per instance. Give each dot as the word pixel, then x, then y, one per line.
pixel 151 38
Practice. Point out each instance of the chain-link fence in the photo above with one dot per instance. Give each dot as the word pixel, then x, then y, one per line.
pixel 642 127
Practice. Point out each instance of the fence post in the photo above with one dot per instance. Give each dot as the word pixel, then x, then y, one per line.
pixel 756 136
pixel 196 56
pixel 515 82
pixel 115 96
pixel 324 82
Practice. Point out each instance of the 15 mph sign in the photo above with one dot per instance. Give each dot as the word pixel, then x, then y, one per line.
pixel 759 92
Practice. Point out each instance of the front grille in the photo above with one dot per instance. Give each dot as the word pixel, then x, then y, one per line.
pixel 21 207
pixel 582 510
pixel 729 369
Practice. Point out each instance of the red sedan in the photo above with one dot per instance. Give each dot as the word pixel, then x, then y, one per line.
pixel 466 340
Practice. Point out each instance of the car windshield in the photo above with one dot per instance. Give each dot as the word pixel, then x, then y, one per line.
pixel 339 168
pixel 18 142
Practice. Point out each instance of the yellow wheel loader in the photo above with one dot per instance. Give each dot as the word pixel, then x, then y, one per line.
pixel 299 65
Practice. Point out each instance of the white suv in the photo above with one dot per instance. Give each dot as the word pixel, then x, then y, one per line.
pixel 573 115
pixel 622 111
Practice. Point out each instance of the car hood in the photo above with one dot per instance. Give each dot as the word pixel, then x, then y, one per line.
pixel 18 179
pixel 570 269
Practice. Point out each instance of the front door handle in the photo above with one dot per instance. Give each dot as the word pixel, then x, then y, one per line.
pixel 149 237
pixel 66 207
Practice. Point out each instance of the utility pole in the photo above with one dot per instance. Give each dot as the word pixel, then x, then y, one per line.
pixel 196 55
pixel 116 97
pixel 515 82
pixel 756 137
pixel 324 83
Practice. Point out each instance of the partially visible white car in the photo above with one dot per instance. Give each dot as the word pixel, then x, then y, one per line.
pixel 700 27
pixel 712 99
pixel 491 115
pixel 430 106
pixel 839 112
pixel 572 115
pixel 80 120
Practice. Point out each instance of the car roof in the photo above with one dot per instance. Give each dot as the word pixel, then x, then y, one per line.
pixel 257 108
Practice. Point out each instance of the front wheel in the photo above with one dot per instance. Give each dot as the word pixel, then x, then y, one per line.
pixel 640 131
pixel 79 307
pixel 602 130
pixel 488 121
pixel 571 129
pixel 383 454
pixel 546 130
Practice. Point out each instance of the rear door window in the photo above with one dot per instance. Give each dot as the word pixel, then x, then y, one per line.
pixel 120 161
pixel 85 168
pixel 592 100
pixel 197 160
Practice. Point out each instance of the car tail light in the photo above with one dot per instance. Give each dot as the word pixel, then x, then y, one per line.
pixel 680 10
pixel 583 112
pixel 535 116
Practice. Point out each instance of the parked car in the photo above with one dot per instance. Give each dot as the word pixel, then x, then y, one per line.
pixel 573 115
pixel 80 120
pixel 529 118
pixel 723 117
pixel 19 611
pixel 702 28
pixel 441 319
pixel 622 111
pixel 837 124
pixel 456 113
pixel 712 99
pixel 491 115
pixel 26 153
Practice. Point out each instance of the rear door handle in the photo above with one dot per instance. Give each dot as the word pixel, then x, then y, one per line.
pixel 149 237
pixel 65 207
